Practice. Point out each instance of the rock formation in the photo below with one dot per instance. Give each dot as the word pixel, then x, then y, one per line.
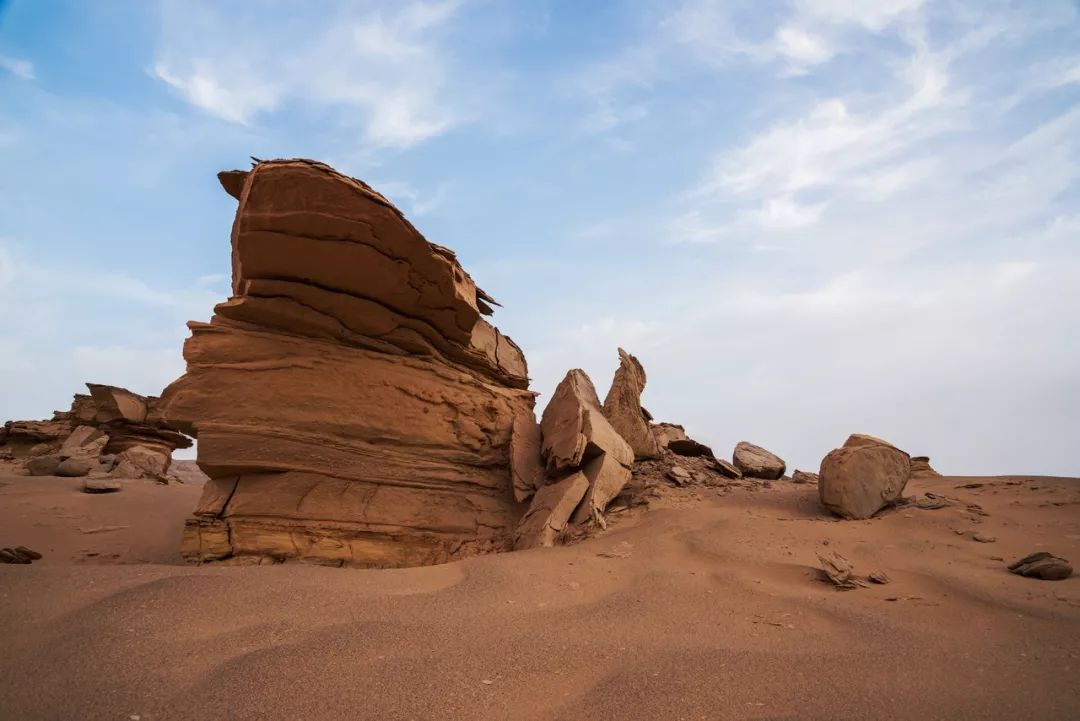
pixel 756 462
pixel 920 468
pixel 804 477
pixel 103 432
pixel 665 433
pixel 622 407
pixel 862 477
pixel 351 404
pixel 578 437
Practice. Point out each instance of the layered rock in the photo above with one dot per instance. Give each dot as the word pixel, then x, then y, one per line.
pixel 108 424
pixel 756 462
pixel 350 401
pixel 862 477
pixel 622 407
pixel 921 468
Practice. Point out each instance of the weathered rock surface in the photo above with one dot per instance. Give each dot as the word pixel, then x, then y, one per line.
pixel 577 436
pixel 804 477
pixel 756 462
pixel 726 469
pixel 622 407
pixel 101 485
pixel 43 465
pixel 665 433
pixel 920 468
pixel 75 467
pixel 1042 565
pixel 142 462
pixel 550 511
pixel 350 402
pixel 862 477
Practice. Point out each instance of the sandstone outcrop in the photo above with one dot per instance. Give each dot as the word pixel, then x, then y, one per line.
pixel 98 426
pixel 920 468
pixel 622 407
pixel 351 403
pixel 862 477
pixel 804 477
pixel 756 462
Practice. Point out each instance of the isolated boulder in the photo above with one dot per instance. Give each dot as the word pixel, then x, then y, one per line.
pixel 862 477
pixel 1042 565
pixel 622 407
pixel 43 465
pixel 351 403
pixel 756 462
pixel 804 477
pixel 550 512
pixel 920 468
pixel 102 485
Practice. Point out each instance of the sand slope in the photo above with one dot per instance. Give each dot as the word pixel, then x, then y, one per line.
pixel 706 608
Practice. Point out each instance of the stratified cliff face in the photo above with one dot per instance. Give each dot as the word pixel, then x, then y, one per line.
pixel 350 402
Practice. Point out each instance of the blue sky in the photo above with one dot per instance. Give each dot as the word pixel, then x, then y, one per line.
pixel 807 218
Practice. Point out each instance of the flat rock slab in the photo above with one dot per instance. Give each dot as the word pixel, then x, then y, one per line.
pixel 1042 565
pixel 101 485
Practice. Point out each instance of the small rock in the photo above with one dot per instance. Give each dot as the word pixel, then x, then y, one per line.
pixel 878 577
pixel 804 477
pixel 679 475
pixel 101 485
pixel 1042 565
pixel 33 555
pixel 839 571
pixel 983 538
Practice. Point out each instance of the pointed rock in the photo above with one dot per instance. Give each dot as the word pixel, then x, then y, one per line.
pixel 622 407
pixel 574 428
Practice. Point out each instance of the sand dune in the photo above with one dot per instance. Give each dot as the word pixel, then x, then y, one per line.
pixel 709 606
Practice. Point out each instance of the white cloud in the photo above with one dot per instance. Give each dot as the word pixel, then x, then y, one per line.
pixel 23 69
pixel 381 69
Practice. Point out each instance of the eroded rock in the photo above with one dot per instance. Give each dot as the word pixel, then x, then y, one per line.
pixel 622 407
pixel 804 477
pixel 1042 565
pixel 756 462
pixel 862 477
pixel 920 468
pixel 550 511
pixel 350 390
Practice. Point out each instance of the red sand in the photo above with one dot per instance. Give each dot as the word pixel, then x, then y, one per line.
pixel 707 608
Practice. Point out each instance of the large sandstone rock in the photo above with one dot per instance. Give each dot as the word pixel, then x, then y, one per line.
pixel 85 441
pixel 756 462
pixel 550 511
pixel 117 404
pixel 665 433
pixel 351 403
pixel 622 407
pixel 146 462
pixel 862 477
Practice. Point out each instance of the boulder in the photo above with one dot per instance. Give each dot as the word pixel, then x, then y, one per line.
pixel 350 393
pixel 1042 565
pixel 550 512
pixel 75 467
pixel 804 477
pixel 622 407
pixel 860 478
pixel 142 462
pixel 665 433
pixel 574 428
pixel 43 465
pixel 920 468
pixel 117 404
pixel 102 485
pixel 756 462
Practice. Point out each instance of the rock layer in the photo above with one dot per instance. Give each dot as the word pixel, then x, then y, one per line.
pixel 351 403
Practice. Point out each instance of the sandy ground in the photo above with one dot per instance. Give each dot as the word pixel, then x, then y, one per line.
pixel 708 607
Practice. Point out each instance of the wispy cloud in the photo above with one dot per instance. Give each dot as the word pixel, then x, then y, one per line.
pixel 23 69
pixel 381 69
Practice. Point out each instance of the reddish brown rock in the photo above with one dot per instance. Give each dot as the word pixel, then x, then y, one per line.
pixel 351 403
pixel 574 428
pixel 526 461
pixel 756 462
pixel 117 404
pixel 550 511
pixel 804 477
pixel 665 433
pixel 862 477
pixel 622 407
pixel 920 468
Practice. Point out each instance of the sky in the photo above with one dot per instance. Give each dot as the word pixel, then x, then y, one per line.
pixel 806 218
